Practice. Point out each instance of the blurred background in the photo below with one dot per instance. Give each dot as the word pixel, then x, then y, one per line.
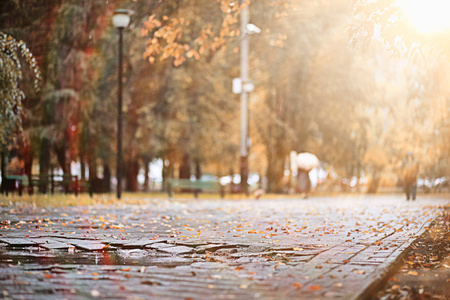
pixel 357 83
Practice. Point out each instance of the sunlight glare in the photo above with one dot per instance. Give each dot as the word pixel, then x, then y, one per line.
pixel 431 16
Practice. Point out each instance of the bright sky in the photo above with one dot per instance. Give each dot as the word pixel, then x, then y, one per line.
pixel 429 16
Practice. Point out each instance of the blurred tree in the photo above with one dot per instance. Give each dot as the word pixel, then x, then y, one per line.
pixel 11 73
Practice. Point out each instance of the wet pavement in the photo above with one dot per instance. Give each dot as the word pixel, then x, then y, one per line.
pixel 208 249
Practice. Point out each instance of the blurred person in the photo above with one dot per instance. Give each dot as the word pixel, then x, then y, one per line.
pixel 410 168
pixel 304 183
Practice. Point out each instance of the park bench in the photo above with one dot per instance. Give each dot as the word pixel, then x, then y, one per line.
pixel 69 183
pixel 195 186
pixel 14 183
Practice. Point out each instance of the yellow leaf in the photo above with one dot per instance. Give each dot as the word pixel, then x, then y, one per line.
pixel 413 273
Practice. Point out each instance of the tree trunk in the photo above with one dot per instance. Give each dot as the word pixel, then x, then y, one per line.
pixel 44 163
pixel 198 169
pixel 62 159
pixel 185 167
pixel 3 168
pixel 146 171
pixel 83 168
pixel 28 158
pixel 275 173
pixel 106 178
pixel 375 181
pixel 132 171
pixel 61 155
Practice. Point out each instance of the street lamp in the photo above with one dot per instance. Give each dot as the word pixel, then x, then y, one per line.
pixel 245 87
pixel 121 19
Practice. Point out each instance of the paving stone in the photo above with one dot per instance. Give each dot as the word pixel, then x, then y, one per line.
pixel 17 242
pixel 139 243
pixel 159 246
pixel 176 249
pixel 87 245
pixel 54 245
pixel 191 243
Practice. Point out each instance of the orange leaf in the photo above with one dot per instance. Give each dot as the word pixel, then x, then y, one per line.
pixel 393 279
pixel 94 274
pixel 315 288
pixel 297 285
pixel 346 260
pixel 48 276
pixel 413 273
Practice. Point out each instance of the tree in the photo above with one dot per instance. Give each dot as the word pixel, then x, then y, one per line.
pixel 11 106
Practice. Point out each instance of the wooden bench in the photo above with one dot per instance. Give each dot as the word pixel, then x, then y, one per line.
pixel 195 186
pixel 70 183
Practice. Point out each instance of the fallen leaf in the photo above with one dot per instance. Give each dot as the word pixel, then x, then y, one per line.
pixel 413 273
pixel 297 285
pixel 393 279
pixel 48 276
pixel 315 288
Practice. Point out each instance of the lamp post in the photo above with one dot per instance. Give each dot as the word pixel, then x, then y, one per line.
pixel 245 88
pixel 121 19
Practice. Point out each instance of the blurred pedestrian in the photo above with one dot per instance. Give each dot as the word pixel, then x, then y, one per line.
pixel 410 168
pixel 304 183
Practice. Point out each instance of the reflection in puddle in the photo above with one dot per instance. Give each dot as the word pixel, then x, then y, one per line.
pixel 117 257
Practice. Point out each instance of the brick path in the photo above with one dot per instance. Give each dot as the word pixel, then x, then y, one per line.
pixel 200 249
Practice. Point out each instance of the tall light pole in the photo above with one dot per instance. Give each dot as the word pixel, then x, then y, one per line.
pixel 121 19
pixel 245 88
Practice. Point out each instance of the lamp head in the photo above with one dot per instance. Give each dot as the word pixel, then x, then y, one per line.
pixel 121 18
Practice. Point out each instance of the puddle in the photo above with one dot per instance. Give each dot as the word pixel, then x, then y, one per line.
pixel 120 257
